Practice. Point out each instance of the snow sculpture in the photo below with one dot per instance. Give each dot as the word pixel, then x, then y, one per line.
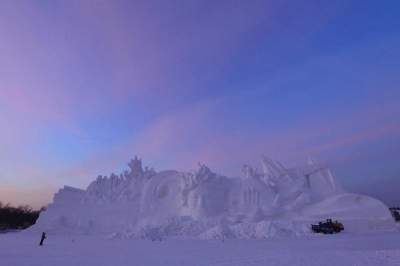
pixel 272 202
pixel 136 167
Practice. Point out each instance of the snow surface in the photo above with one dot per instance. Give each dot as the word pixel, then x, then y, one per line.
pixel 367 249
pixel 274 202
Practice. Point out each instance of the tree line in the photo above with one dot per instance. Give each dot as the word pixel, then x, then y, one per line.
pixel 14 218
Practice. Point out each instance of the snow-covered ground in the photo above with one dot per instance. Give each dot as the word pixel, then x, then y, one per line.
pixel 22 249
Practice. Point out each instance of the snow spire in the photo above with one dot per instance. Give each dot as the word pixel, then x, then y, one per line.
pixel 310 161
pixel 136 166
pixel 271 168
pixel 248 171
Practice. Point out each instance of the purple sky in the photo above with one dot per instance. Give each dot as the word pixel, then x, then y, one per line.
pixel 86 85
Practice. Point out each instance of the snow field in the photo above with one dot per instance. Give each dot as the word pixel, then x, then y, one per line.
pixel 21 249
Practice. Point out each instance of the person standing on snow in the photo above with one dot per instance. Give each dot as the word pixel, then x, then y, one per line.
pixel 42 239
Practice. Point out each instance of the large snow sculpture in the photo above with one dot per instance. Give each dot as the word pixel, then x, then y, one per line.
pixel 274 201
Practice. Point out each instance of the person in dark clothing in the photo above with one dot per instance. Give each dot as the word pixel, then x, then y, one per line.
pixel 42 239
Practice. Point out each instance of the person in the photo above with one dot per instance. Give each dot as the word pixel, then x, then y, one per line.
pixel 42 239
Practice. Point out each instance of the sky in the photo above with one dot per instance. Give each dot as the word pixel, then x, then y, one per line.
pixel 87 85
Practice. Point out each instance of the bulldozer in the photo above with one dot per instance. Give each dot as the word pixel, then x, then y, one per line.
pixel 327 227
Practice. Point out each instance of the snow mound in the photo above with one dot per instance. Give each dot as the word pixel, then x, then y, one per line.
pixel 358 212
pixel 349 206
pixel 273 202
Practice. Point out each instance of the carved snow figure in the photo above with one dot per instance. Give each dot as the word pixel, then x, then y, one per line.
pixel 160 197
pixel 250 194
pixel 205 194
pixel 136 167
pixel 267 203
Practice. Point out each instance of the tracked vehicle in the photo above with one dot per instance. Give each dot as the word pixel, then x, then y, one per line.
pixel 328 227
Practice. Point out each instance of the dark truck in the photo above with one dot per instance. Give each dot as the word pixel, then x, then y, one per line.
pixel 327 227
pixel 395 213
